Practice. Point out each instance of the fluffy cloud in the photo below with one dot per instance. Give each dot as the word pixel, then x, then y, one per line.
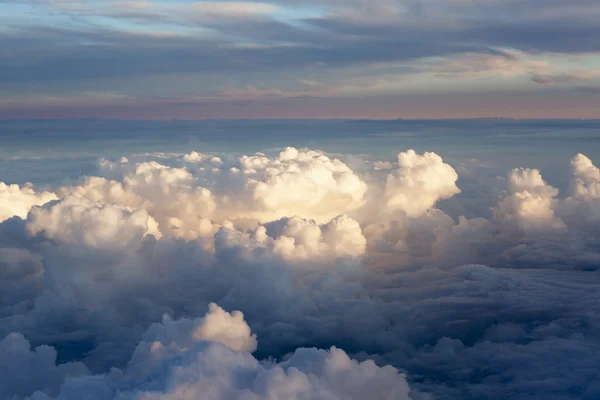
pixel 171 338
pixel 17 201
pixel 586 182
pixel 301 183
pixel 207 358
pixel 170 195
pixel 297 238
pixel 315 254
pixel 194 199
pixel 76 219
pixel 530 205
pixel 582 208
pixel 419 183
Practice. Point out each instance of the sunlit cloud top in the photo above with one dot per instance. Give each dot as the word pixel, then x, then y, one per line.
pixel 299 58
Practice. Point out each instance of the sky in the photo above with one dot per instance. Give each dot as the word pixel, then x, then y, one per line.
pixel 299 59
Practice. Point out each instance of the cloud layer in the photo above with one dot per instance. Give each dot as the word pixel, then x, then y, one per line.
pixel 105 282
pixel 319 59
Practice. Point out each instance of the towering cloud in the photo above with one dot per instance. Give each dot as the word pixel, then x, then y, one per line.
pixel 530 205
pixel 419 183
pixel 586 177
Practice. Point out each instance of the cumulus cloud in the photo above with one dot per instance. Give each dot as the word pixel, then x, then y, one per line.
pixel 17 201
pixel 299 238
pixel 76 219
pixel 419 182
pixel 171 195
pixel 316 252
pixel 207 358
pixel 194 199
pixel 303 183
pixel 216 372
pixel 170 338
pixel 530 205
pixel 586 182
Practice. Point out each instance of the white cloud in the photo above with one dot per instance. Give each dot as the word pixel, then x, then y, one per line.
pixel 210 359
pixel 75 219
pixel 16 201
pixel 170 338
pixel 586 178
pixel 315 253
pixel 297 239
pixel 307 184
pixel 531 204
pixel 193 200
pixel 419 183
pixel 582 207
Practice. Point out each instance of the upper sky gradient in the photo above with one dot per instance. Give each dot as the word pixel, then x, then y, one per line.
pixel 300 59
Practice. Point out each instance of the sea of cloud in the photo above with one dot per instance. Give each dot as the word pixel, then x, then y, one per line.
pixel 324 277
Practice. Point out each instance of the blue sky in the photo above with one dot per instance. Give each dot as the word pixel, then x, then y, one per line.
pixel 300 59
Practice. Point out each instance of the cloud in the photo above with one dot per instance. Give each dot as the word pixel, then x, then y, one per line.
pixel 78 220
pixel 531 203
pixel 552 79
pixel 51 65
pixel 505 64
pixel 586 183
pixel 307 184
pixel 25 370
pixel 171 338
pixel 419 183
pixel 316 251
pixel 545 79
pixel 209 190
pixel 17 201
pixel 210 358
pixel 250 37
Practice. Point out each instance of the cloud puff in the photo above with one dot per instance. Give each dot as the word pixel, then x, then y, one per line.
pixel 530 205
pixel 586 178
pixel 77 220
pixel 210 358
pixel 171 195
pixel 170 338
pixel 301 239
pixel 301 183
pixel 193 200
pixel 419 183
pixel 17 201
